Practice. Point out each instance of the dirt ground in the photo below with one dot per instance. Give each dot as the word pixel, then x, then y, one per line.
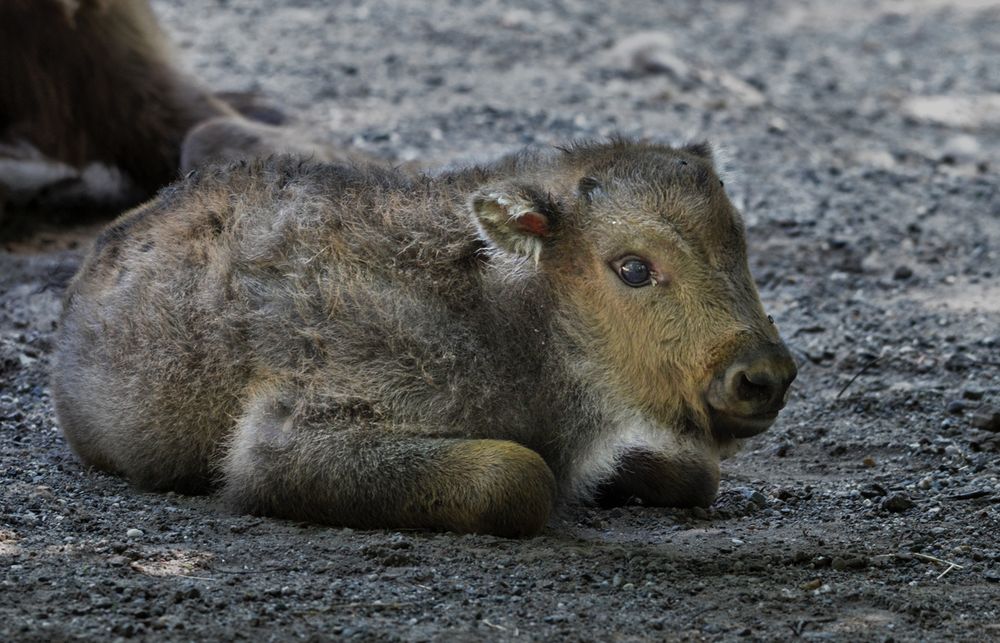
pixel 864 142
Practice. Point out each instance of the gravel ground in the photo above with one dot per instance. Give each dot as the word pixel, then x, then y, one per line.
pixel 863 138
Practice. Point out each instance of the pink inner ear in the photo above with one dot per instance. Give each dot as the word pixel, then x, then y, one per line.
pixel 533 223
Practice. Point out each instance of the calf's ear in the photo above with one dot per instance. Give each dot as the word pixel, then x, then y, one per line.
pixel 515 220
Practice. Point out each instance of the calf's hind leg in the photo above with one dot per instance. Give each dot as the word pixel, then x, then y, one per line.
pixel 372 477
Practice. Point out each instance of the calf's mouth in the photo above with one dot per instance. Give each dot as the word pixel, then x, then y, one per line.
pixel 727 426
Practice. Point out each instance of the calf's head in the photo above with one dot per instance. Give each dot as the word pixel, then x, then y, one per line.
pixel 646 260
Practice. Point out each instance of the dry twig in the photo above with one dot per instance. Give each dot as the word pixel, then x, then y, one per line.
pixel 858 374
pixel 928 558
pixel 935 559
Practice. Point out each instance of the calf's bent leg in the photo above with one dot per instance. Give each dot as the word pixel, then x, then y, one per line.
pixel 683 479
pixel 374 478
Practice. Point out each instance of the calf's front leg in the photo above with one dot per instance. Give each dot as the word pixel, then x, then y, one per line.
pixel 683 479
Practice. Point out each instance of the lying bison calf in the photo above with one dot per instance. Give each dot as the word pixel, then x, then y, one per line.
pixel 358 347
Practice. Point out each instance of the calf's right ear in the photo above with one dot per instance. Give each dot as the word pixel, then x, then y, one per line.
pixel 514 220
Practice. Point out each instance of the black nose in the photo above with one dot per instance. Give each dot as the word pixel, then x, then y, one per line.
pixel 749 393
pixel 760 386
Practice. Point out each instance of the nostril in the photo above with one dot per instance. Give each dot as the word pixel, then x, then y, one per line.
pixel 755 387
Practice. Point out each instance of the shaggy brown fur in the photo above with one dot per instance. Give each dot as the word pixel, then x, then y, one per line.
pixel 359 347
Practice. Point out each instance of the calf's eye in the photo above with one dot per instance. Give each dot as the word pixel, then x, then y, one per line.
pixel 635 273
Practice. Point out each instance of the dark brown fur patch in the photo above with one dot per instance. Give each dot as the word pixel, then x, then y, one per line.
pixel 95 84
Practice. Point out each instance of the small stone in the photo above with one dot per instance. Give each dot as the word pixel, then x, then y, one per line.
pixel 957 362
pixel 956 407
pixel 134 533
pixel 961 148
pixel 516 19
pixel 902 272
pixel 649 52
pixel 812 585
pixel 973 394
pixel 955 110
pixel 842 563
pixel 821 561
pixel 873 490
pixel 897 503
pixel 868 462
pixel 987 418
pixel 881 159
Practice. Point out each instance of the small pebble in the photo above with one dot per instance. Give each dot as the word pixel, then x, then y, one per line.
pixel 134 533
pixel 956 407
pixel 873 490
pixel 987 418
pixel 897 503
pixel 868 462
pixel 811 585
pixel 902 272
pixel 849 562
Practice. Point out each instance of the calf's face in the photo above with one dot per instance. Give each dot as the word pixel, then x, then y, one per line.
pixel 647 256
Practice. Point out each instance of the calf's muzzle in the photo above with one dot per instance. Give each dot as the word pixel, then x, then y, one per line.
pixel 744 398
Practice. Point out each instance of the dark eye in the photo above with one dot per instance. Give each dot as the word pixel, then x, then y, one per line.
pixel 635 273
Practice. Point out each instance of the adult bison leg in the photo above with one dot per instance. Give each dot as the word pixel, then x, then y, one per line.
pixel 288 465
pixel 682 479
pixel 92 85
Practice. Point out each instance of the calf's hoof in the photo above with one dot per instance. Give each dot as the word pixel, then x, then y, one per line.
pixel 494 487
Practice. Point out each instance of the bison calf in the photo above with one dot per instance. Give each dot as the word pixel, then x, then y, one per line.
pixel 359 347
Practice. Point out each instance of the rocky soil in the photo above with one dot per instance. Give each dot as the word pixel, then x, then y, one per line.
pixel 864 142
